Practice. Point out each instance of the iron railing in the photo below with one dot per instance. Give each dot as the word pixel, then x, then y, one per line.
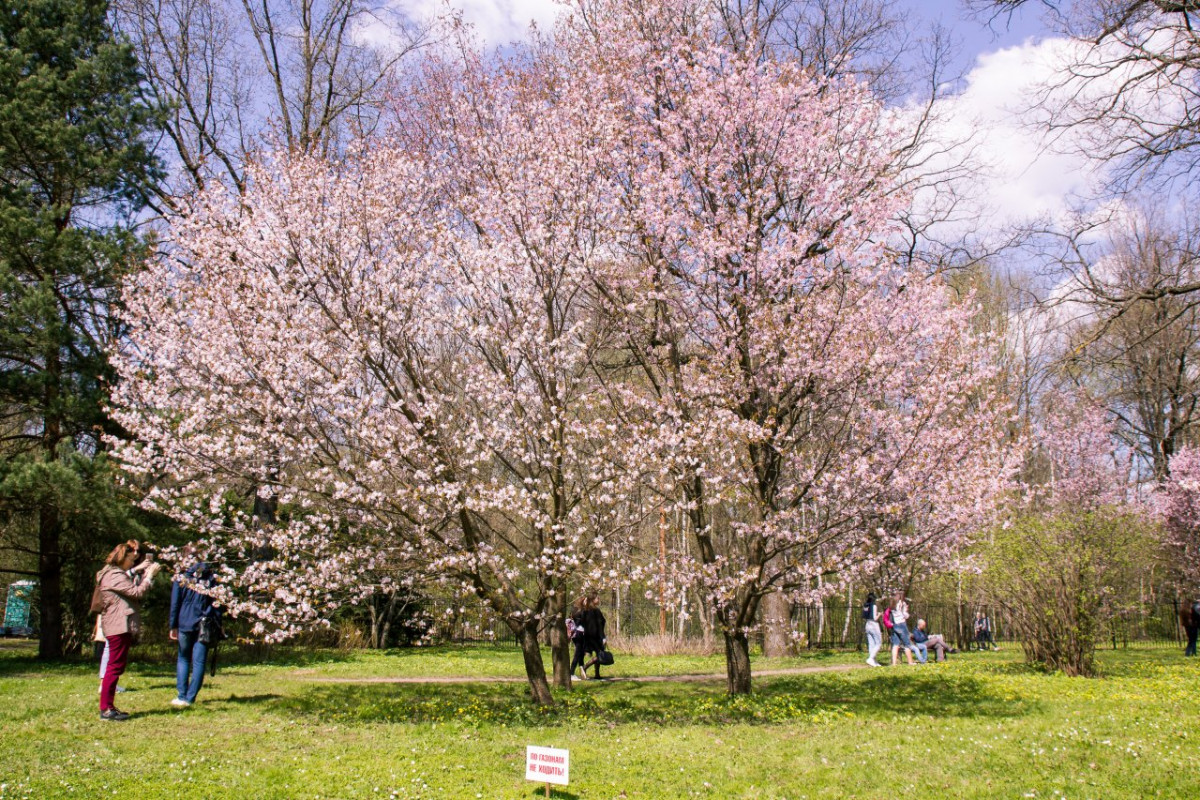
pixel 831 626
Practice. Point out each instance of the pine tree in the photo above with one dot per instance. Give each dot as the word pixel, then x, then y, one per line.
pixel 74 166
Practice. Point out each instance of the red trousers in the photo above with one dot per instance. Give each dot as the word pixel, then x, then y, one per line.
pixel 118 655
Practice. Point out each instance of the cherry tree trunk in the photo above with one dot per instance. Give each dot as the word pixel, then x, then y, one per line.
pixel 535 670
pixel 737 663
pixel 777 625
pixel 560 645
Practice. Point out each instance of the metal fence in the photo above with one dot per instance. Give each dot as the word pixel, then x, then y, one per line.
pixel 1155 625
pixel 829 626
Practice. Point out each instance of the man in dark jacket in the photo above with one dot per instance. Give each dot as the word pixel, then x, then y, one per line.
pixel 188 607
pixel 1189 618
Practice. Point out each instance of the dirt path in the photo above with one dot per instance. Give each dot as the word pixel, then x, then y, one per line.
pixel 308 675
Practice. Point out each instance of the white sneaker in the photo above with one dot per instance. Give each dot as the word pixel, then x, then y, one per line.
pixel 872 662
pixel 179 702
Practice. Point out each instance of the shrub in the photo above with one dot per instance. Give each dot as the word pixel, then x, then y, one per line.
pixel 656 645
pixel 1060 577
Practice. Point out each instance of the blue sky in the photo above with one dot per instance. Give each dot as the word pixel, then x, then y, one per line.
pixel 503 20
pixel 978 36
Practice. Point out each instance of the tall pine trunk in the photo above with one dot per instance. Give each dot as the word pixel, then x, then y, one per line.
pixel 50 638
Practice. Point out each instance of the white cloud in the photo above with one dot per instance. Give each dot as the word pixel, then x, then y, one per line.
pixel 996 124
pixel 1013 173
pixel 497 22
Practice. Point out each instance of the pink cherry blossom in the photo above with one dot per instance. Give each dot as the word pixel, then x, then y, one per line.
pixel 625 269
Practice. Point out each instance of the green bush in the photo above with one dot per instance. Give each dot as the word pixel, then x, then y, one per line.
pixel 1061 577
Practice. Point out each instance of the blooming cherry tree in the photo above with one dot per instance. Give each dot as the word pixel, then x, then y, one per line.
pixel 399 350
pixel 819 405
pixel 1072 463
pixel 626 262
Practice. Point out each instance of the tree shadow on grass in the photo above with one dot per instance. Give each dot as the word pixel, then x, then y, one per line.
pixel 793 699
pixel 159 659
pixel 555 793
pixel 18 658
pixel 929 693
pixel 250 699
pixel 278 656
pixel 822 655
pixel 169 711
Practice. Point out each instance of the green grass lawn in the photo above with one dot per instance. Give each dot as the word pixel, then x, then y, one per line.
pixel 982 725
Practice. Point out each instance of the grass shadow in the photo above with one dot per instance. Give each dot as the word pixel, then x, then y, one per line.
pixel 159 659
pixel 814 698
pixel 250 699
pixel 144 687
pixel 926 693
pixel 19 658
pixel 555 793
pixel 819 656
pixel 155 712
pixel 278 656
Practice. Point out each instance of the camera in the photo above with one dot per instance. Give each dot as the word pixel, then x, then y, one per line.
pixel 146 555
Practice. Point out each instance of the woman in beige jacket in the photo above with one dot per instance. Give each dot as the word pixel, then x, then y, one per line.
pixel 123 583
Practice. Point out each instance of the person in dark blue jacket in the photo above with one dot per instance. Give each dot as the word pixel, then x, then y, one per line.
pixel 187 608
pixel 920 642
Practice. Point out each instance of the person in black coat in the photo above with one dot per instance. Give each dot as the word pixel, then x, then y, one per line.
pixel 1189 618
pixel 593 624
pixel 577 630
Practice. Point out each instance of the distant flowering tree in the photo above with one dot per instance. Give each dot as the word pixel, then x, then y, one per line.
pixel 817 405
pixel 1179 507
pixel 1071 461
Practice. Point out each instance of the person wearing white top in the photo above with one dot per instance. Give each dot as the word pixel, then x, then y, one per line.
pixel 870 613
pixel 900 637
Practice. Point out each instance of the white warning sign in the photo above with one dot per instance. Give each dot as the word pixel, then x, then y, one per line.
pixel 547 765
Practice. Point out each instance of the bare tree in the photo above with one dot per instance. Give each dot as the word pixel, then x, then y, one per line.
pixel 235 73
pixel 1135 339
pixel 1131 85
pixel 867 39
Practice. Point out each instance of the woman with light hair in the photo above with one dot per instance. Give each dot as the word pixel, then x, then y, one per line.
pixel 121 585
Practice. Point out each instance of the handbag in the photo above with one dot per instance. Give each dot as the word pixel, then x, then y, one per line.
pixel 210 632
pixel 604 658
pixel 97 605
